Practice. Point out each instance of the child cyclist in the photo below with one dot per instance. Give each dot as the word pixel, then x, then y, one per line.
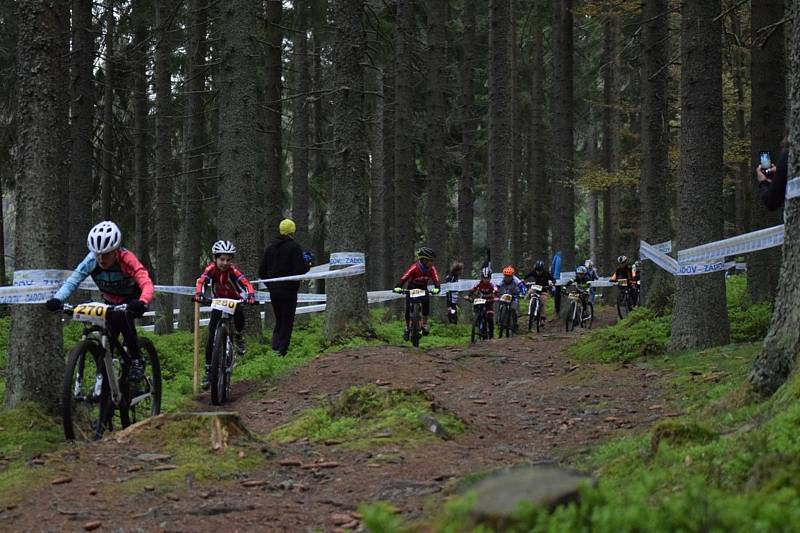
pixel 510 284
pixel 418 276
pixel 542 277
pixel 121 279
pixel 452 296
pixel 488 291
pixel 226 281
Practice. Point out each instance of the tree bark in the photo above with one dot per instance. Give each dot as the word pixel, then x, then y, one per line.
pixel 538 196
pixel 82 158
pixel 387 230
pixel 107 146
pixel 469 126
pixel 501 151
pixel 300 123
pixel 767 126
pixel 165 208
pixel 700 315
pixel 273 190
pixel 196 145
pixel 658 284
pixel 563 93
pixel 35 354
pixel 320 174
pixel 376 254
pixel 782 344
pixel 238 146
pixel 404 159
pixel 436 185
pixel 140 133
pixel 347 310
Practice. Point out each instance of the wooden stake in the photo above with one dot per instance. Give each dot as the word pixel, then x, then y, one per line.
pixel 196 381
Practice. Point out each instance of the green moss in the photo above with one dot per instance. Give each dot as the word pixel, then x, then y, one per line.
pixel 26 433
pixel 677 432
pixel 365 416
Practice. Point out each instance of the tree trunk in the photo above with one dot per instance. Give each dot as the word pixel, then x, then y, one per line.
pixel 767 113
pixel 700 315
pixel 501 151
pixel 469 125
pixel 347 310
pixel 35 354
pixel 140 131
pixel 107 146
pixel 196 141
pixel 165 245
pixel 404 159
pixel 321 182
pixel 611 196
pixel 300 122
pixel 563 92
pixel 387 230
pixel 538 195
pixel 658 284
pixel 376 253
pixel 782 344
pixel 82 159
pixel 437 199
pixel 238 147
pixel 273 190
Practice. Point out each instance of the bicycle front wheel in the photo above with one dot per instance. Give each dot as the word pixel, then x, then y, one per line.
pixel 587 315
pixel 416 332
pixel 572 316
pixel 85 395
pixel 217 375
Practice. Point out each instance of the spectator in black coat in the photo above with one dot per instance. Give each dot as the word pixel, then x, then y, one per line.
pixel 284 257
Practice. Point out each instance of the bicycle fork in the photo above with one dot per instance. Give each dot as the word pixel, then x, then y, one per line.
pixel 108 361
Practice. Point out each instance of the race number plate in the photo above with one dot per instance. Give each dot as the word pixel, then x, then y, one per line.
pixel 226 305
pixel 536 287
pixel 479 301
pixel 574 296
pixel 417 293
pixel 94 313
pixel 622 282
pixel 507 298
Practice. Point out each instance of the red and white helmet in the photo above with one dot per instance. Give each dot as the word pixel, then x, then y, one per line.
pixel 104 237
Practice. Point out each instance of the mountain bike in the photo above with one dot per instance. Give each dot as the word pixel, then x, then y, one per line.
pixel 223 352
pixel 480 325
pixel 415 297
pixel 535 307
pixel 626 300
pixel 96 384
pixel 506 316
pixel 581 310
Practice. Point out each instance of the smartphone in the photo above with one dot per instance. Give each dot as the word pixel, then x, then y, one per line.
pixel 766 160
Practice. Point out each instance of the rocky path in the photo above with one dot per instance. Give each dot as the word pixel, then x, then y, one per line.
pixel 522 399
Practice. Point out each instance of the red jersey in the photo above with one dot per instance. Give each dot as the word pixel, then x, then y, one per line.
pixel 487 289
pixel 224 283
pixel 418 276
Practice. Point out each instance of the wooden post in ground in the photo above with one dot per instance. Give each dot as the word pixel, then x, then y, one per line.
pixel 196 379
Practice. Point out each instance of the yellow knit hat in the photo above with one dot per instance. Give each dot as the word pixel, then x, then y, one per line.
pixel 287 227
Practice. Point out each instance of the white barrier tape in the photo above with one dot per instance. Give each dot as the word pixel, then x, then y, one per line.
pixel 353 270
pixel 647 251
pixel 663 247
pixel 793 188
pixel 740 244
pixel 347 258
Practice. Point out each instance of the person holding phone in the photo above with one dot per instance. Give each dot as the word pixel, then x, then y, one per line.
pixel 772 178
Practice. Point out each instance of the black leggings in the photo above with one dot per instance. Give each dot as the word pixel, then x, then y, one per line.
pixel 124 323
pixel 238 323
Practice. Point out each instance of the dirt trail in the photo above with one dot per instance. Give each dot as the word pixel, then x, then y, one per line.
pixel 523 400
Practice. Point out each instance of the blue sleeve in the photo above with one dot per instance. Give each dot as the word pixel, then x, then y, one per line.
pixel 81 273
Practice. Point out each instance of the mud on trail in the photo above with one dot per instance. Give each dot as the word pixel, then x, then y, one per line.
pixel 521 399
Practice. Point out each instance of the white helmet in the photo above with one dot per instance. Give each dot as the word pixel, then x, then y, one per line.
pixel 104 237
pixel 223 247
pixel 588 264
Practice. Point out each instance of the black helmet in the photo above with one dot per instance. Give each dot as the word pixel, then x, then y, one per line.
pixel 538 266
pixel 425 253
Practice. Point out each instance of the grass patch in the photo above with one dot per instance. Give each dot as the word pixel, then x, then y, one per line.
pixel 25 433
pixel 645 332
pixel 362 417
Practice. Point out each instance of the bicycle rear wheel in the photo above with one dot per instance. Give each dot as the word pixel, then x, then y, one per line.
pixel 85 396
pixel 148 402
pixel 217 376
pixel 623 304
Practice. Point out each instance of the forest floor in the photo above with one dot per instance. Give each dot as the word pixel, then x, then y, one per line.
pixel 521 400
